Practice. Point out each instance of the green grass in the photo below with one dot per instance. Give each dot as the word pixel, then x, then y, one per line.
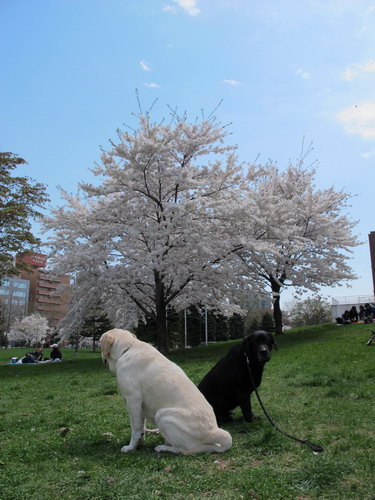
pixel 319 386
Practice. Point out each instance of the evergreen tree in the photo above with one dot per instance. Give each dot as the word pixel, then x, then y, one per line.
pixel 95 324
pixel 21 201
pixel 267 323
pixel 254 325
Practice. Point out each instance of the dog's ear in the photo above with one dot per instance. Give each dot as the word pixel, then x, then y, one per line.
pixel 107 339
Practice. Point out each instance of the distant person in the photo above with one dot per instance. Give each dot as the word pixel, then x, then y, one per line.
pixel 368 314
pixel 353 314
pixel 28 358
pixel 361 313
pixel 55 353
pixel 38 354
pixel 33 357
pixel 346 318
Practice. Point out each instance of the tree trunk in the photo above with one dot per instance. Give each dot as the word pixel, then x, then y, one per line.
pixel 76 342
pixel 161 315
pixel 161 330
pixel 277 314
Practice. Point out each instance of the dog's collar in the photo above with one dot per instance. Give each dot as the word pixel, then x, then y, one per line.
pixel 126 349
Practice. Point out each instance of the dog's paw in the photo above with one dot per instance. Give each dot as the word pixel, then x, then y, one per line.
pixel 125 449
pixel 160 447
pixel 251 417
pixel 165 447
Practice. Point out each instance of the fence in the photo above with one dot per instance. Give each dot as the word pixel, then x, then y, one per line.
pixel 341 304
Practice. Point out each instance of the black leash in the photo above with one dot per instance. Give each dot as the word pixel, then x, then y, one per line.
pixel 315 448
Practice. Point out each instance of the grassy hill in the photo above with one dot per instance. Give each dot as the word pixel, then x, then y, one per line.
pixel 62 427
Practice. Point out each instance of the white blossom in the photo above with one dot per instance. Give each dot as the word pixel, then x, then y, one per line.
pixel 156 231
pixel 303 236
pixel 175 217
pixel 31 330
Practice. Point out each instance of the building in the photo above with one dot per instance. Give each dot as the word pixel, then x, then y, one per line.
pixel 256 304
pixel 47 296
pixel 14 296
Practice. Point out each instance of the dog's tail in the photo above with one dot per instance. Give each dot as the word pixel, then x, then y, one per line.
pixel 222 439
pixel 218 441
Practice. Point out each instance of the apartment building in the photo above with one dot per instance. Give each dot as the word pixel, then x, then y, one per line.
pixel 47 296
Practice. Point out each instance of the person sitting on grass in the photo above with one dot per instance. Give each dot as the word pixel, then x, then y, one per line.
pixel 353 314
pixel 346 318
pixel 367 314
pixel 55 355
pixel 361 313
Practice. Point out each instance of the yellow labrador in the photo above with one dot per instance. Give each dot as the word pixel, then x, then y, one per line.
pixel 158 390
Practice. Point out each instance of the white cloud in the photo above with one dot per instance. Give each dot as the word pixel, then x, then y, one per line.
pixel 349 74
pixel 152 85
pixel 303 74
pixel 189 6
pixel 359 119
pixel 232 82
pixel 369 67
pixel 368 155
pixel 356 70
pixel 170 8
pixel 144 66
pixel 367 23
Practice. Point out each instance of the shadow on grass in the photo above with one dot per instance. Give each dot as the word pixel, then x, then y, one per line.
pixel 69 366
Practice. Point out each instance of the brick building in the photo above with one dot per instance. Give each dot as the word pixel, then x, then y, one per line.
pixel 48 297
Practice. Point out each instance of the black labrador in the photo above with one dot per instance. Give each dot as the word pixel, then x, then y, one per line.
pixel 228 384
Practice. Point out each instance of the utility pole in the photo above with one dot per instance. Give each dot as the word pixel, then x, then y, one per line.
pixel 371 238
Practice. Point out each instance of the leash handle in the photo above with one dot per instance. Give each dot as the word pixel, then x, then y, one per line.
pixel 315 448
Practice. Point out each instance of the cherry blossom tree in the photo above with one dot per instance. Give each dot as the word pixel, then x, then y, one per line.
pixel 157 230
pixel 303 238
pixel 172 213
pixel 31 330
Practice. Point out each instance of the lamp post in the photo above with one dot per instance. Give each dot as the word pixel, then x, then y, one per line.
pixel 185 322
pixel 205 325
pixel 371 238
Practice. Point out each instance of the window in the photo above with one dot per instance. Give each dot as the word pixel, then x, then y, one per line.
pixel 20 285
pixel 19 302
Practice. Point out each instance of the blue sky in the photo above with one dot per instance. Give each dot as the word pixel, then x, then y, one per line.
pixel 285 69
